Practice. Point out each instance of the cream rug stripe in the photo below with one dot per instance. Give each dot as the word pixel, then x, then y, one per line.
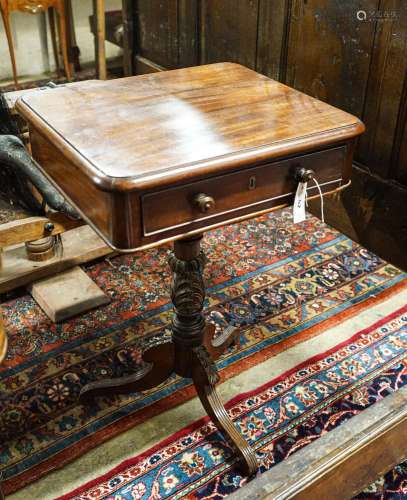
pixel 138 439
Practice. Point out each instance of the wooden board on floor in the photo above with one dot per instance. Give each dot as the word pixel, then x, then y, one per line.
pixel 343 461
pixel 80 245
pixel 67 294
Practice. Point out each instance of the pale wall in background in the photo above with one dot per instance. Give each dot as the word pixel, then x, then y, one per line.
pixel 34 50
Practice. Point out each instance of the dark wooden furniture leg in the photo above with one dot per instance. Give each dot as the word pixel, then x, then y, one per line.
pixel 216 346
pixel 190 353
pixel 51 18
pixel 60 7
pixel 158 366
pixel 73 49
pixel 205 377
pixel 128 36
pixel 192 358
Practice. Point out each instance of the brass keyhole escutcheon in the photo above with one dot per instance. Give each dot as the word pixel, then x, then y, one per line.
pixel 204 202
pixel 252 183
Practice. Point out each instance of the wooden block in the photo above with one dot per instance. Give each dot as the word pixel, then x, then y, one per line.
pixel 67 294
pixel 79 245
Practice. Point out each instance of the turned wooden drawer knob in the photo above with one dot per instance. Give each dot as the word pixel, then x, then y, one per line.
pixel 204 202
pixel 305 175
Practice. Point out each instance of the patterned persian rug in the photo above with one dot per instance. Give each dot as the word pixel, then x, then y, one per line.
pixel 277 419
pixel 280 284
pixel 392 485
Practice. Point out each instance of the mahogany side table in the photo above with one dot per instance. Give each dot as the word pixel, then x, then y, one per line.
pixel 165 157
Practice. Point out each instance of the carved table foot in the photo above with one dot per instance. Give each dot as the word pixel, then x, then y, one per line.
pixel 158 366
pixel 216 346
pixel 205 377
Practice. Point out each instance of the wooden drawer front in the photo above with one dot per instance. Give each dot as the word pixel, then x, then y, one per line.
pixel 250 187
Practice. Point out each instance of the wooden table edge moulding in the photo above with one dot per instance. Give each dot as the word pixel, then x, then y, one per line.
pixel 165 157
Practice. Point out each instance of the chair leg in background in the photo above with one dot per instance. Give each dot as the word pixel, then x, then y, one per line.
pixel 5 14
pixel 51 18
pixel 63 39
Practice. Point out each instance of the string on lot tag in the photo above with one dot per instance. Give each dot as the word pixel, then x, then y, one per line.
pixel 321 198
pixel 300 201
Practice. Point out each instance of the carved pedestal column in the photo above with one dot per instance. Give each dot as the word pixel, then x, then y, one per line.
pixel 188 296
pixel 190 338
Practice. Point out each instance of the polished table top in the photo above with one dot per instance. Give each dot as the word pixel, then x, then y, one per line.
pixel 111 146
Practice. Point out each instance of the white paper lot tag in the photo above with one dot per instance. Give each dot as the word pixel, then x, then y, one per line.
pixel 299 202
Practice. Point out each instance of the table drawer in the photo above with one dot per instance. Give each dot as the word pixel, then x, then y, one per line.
pixel 250 187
